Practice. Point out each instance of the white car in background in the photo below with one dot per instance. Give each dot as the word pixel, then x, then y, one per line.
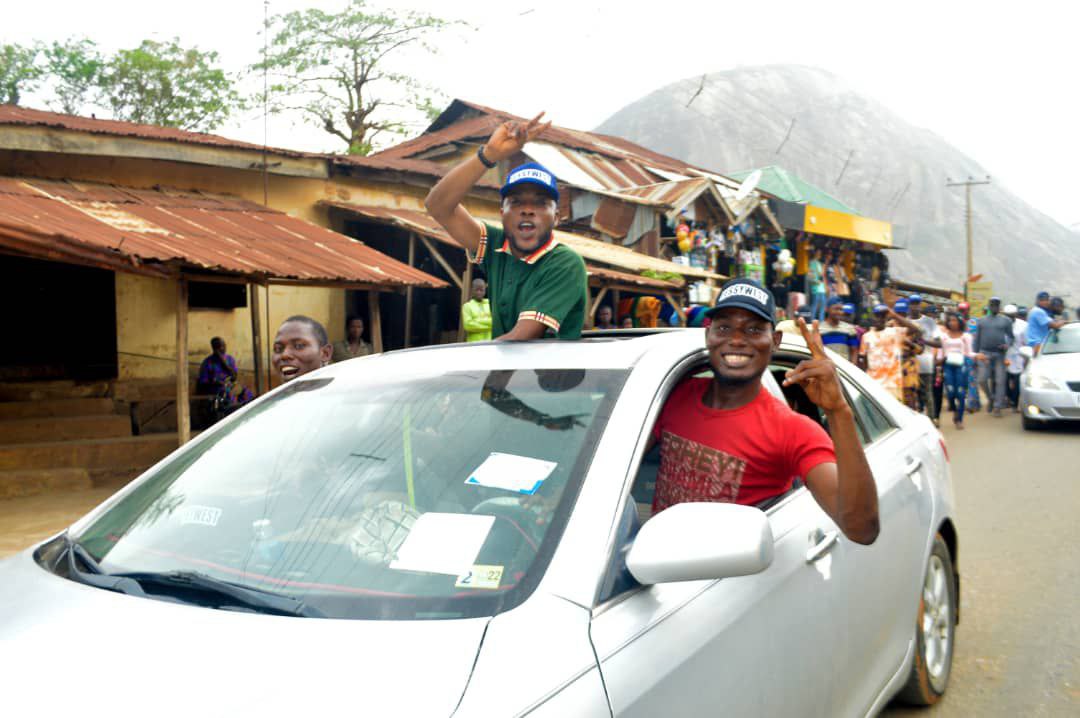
pixel 1050 384
pixel 459 531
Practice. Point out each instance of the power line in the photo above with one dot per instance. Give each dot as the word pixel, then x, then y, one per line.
pixel 844 168
pixel 967 185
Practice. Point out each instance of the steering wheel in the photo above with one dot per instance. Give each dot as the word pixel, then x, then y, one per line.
pixel 521 518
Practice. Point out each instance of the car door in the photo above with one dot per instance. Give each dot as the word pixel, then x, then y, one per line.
pixel 751 645
pixel 884 579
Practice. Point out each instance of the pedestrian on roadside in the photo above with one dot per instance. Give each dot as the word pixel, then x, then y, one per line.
pixel 815 280
pixel 881 353
pixel 973 402
pixel 1040 322
pixel 953 354
pixel 476 313
pixel 220 379
pixel 1014 360
pixel 912 348
pixel 927 365
pixel 993 337
pixel 627 322
pixel 837 334
pixel 538 287
pixel 604 318
pixel 353 345
pixel 301 345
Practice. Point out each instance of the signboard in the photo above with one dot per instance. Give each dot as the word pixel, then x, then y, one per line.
pixel 978 296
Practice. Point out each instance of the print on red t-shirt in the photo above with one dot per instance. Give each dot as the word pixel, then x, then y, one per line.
pixel 743 455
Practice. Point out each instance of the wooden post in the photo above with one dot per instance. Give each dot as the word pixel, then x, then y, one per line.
pixel 183 382
pixel 409 294
pixel 466 295
pixel 375 320
pixel 256 338
pixel 615 306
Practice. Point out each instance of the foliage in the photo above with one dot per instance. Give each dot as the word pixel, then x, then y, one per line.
pixel 75 69
pixel 162 83
pixel 338 68
pixel 19 72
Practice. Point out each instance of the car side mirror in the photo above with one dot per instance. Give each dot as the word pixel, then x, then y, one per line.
pixel 695 541
pixel 1027 352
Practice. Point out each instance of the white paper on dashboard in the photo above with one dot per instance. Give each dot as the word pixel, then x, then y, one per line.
pixel 520 474
pixel 443 543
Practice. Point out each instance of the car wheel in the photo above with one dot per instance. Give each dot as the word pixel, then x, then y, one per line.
pixel 935 630
pixel 1029 424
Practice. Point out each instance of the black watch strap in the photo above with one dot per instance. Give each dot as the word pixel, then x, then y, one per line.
pixel 483 158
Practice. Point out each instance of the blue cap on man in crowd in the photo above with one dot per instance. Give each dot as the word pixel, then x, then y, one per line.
pixel 531 173
pixel 748 294
pixel 1041 296
pixel 901 306
pixel 833 301
pixel 849 309
pixel 915 299
pixel 880 308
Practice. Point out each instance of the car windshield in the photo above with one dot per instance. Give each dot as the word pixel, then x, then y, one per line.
pixel 435 496
pixel 1063 341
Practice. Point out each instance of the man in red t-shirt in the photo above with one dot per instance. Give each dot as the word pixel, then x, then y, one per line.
pixel 729 439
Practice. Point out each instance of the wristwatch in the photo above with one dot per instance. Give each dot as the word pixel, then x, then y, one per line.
pixel 483 158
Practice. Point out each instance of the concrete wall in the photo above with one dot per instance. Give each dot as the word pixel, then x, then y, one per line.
pixel 146 324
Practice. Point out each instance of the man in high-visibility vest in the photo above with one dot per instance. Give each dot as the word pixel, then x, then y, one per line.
pixel 476 314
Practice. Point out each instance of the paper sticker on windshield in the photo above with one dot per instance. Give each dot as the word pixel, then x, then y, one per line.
pixel 201 515
pixel 512 473
pixel 443 543
pixel 480 576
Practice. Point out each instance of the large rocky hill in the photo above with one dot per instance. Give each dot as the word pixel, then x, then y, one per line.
pixel 893 171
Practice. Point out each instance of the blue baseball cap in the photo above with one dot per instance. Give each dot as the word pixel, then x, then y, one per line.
pixel 849 309
pixel 915 298
pixel 1041 296
pixel 880 308
pixel 833 301
pixel 531 173
pixel 748 294
pixel 900 306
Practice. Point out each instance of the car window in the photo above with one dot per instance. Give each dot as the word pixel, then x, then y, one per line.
pixel 363 499
pixel 1063 341
pixel 872 420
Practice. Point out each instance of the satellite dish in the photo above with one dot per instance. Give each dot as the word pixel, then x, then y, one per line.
pixel 748 185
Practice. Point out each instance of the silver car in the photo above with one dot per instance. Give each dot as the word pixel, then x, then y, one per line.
pixel 1050 384
pixel 466 530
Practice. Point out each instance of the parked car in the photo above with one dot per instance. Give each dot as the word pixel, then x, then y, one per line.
pixel 1050 384
pixel 466 530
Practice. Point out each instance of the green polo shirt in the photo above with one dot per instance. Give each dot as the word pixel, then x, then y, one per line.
pixel 549 286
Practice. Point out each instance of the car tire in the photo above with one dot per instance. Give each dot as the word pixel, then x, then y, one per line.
pixel 1029 424
pixel 935 630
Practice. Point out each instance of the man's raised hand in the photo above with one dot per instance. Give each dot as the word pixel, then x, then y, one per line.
pixel 817 375
pixel 510 137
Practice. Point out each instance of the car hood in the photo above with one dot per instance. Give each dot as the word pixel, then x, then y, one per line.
pixel 1064 367
pixel 68 647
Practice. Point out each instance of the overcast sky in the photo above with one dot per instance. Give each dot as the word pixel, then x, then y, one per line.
pixel 996 79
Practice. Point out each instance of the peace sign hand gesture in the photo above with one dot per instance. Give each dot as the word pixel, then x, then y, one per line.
pixel 817 375
pixel 510 137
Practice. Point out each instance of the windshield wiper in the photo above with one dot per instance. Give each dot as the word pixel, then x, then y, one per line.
pixel 134 584
pixel 234 594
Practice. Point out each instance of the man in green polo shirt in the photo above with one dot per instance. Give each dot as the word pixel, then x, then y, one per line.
pixel 537 286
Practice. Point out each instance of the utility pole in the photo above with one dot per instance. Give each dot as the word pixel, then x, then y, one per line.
pixel 967 185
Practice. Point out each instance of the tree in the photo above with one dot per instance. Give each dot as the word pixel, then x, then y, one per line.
pixel 162 83
pixel 19 72
pixel 75 69
pixel 336 68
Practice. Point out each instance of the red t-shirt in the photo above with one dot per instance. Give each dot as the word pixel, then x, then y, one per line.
pixel 742 455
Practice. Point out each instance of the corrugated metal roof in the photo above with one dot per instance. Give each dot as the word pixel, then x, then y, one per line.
pixel 157 230
pixel 785 185
pixel 15 115
pixel 610 275
pixel 591 249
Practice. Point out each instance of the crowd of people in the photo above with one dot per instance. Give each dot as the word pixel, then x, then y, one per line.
pixel 932 358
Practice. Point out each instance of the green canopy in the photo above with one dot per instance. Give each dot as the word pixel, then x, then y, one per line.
pixel 785 185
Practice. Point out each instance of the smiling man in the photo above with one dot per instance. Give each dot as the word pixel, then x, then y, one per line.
pixel 728 439
pixel 536 286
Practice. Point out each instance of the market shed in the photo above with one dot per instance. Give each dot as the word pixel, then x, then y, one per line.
pixel 191 237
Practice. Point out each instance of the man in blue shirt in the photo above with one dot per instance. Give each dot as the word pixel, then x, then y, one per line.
pixel 1040 322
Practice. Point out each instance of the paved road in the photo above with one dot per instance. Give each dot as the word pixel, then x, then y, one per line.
pixel 1018 650
pixel 1018 504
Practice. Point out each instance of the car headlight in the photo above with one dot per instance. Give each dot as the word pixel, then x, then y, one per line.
pixel 1038 381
